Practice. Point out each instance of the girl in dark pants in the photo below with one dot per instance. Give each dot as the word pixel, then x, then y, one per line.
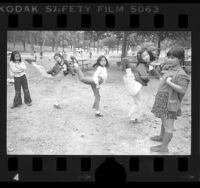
pixel 98 78
pixel 17 69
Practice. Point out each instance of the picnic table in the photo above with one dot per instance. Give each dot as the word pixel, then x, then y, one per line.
pixel 84 63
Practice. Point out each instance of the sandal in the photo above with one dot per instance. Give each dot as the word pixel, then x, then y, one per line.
pixel 57 106
pixel 134 120
pixel 159 148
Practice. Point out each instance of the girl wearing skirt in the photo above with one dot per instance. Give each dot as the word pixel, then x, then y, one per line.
pixel 17 69
pixel 167 105
pixel 99 77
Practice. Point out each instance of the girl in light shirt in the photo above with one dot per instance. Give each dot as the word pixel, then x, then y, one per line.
pixel 17 70
pixel 99 77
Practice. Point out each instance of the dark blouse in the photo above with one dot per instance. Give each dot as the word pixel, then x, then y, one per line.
pixel 141 74
pixel 58 67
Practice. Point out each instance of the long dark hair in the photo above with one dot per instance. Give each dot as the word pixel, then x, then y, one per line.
pixel 178 53
pixel 59 55
pixel 98 61
pixel 141 60
pixel 12 57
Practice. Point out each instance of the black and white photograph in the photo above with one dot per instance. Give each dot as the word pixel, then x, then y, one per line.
pixel 99 92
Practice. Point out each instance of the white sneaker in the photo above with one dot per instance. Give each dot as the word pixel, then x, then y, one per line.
pixel 98 114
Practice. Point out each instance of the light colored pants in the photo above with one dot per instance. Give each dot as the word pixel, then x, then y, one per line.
pixel 136 110
pixel 58 86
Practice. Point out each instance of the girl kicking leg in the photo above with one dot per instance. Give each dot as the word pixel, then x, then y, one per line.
pixel 98 78
pixel 90 81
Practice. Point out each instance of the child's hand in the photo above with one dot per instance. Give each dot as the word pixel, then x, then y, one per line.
pixel 168 80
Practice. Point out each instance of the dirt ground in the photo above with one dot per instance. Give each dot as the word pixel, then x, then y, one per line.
pixel 74 130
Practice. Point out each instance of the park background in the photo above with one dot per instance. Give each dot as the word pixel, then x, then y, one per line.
pixel 41 129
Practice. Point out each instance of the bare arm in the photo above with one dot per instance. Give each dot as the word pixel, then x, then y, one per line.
pixel 176 87
pixel 42 70
pixel 181 87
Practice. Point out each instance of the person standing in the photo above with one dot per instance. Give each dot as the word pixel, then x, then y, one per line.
pixel 167 105
pixel 17 69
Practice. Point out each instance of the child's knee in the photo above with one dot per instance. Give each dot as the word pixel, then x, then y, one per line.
pixel 169 129
pixel 98 97
pixel 169 125
pixel 81 79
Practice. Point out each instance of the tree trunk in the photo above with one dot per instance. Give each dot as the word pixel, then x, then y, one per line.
pixel 74 49
pixel 55 40
pixel 32 44
pixel 158 45
pixel 63 45
pixel 14 44
pixel 118 44
pixel 94 46
pixel 53 45
pixel 124 44
pixel 90 45
pixel 41 47
pixel 97 46
pixel 43 44
pixel 84 42
pixel 24 44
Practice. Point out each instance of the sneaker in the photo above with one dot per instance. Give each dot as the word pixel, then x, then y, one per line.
pixel 159 148
pixel 134 120
pixel 98 114
pixel 57 106
pixel 12 107
pixel 29 104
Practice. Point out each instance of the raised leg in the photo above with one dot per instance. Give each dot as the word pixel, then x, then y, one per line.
pixel 83 78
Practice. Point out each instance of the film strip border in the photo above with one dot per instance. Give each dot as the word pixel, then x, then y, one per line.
pixel 109 21
pixel 113 17
pixel 76 168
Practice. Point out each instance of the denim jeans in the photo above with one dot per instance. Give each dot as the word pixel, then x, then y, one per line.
pixel 21 82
